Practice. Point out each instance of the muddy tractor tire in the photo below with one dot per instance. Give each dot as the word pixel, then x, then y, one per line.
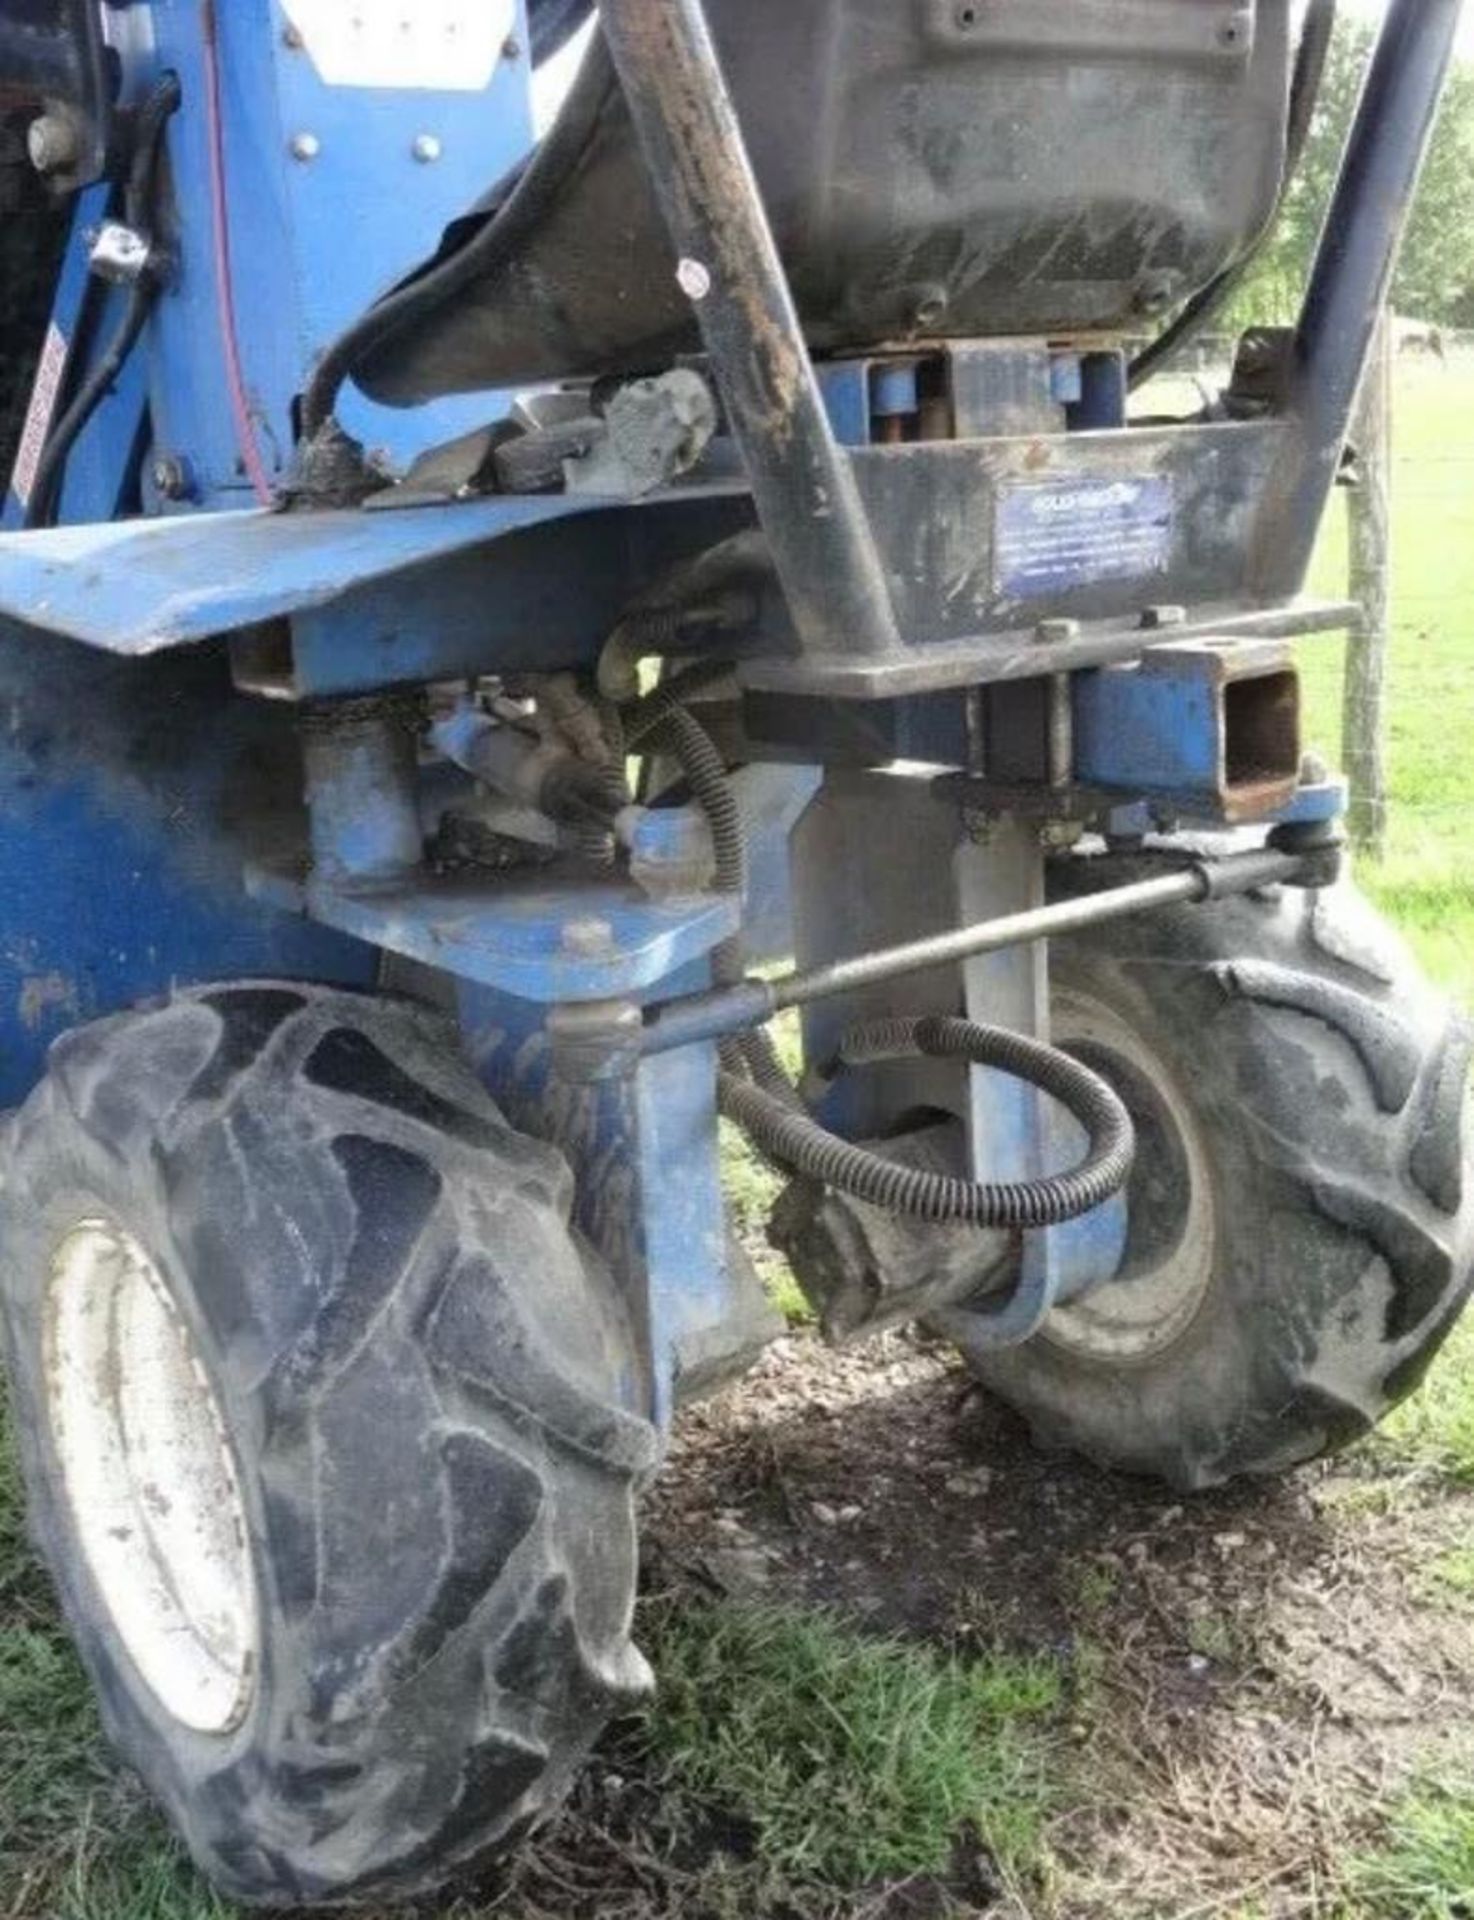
pixel 1302 1210
pixel 332 1433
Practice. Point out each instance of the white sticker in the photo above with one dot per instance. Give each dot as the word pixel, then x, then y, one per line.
pixel 37 430
pixel 448 46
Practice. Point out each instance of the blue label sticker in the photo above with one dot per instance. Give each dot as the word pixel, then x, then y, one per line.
pixel 1055 535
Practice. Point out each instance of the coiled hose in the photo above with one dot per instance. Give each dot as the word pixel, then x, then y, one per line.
pixel 756 1094
pixel 791 1138
pixel 660 720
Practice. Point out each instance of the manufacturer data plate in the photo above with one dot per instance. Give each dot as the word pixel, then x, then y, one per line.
pixel 445 46
pixel 1054 536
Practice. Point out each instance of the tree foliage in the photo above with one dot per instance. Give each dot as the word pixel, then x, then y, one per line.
pixel 1435 280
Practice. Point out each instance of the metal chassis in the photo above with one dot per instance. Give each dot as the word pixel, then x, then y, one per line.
pixel 357 603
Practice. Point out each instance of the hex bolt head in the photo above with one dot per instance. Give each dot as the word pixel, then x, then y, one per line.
pixel 587 939
pixel 1313 770
pixel 51 142
pixel 172 477
pixel 305 146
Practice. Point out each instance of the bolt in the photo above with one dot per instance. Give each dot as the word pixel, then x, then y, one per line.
pixel 51 142
pixel 980 826
pixel 511 48
pixel 1313 770
pixel 1155 618
pixel 931 304
pixel 588 939
pixel 305 146
pixel 1053 632
pixel 1158 290
pixel 171 477
pixel 292 38
pixel 427 148
pixel 694 279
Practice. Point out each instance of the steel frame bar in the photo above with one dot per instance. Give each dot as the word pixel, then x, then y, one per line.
pixel 802 482
pixel 1352 274
pixel 713 1016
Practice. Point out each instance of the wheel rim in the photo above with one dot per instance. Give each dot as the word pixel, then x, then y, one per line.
pixel 1172 1216
pixel 149 1476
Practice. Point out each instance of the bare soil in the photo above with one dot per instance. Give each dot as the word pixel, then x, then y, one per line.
pixel 1253 1672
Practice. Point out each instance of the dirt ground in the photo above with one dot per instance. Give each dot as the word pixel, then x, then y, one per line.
pixel 1253 1673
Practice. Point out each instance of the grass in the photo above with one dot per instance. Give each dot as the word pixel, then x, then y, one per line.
pixel 854 1760
pixel 1434 1431
pixel 1452 1573
pixel 76 1841
pixel 1425 1868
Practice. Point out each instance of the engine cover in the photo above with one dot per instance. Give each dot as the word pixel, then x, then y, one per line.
pixel 932 169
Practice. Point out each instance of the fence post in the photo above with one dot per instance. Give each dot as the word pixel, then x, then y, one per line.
pixel 1369 515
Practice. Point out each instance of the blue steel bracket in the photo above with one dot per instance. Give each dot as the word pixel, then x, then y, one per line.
pixel 1210 725
pixel 644 1148
pixel 641 1135
pixel 548 946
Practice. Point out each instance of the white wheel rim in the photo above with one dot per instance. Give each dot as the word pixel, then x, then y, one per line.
pixel 150 1479
pixel 1141 1315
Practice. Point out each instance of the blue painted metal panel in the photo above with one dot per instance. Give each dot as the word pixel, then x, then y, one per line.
pixel 314 241
pixel 145 585
pixel 142 586
pixel 127 794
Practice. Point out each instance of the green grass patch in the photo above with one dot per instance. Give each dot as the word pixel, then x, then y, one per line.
pixel 1425 1869
pixel 1434 1431
pixel 752 1188
pixel 1453 1573
pixel 853 1760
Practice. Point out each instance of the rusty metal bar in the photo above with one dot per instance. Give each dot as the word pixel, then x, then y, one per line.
pixel 752 1003
pixel 805 492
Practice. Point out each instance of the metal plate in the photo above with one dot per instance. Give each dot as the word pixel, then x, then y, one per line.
pixel 443 46
pixel 1053 536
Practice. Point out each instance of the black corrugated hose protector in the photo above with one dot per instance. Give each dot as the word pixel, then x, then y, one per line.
pixel 756 1094
pixel 794 1140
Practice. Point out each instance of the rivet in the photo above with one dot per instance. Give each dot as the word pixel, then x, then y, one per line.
pixel 305 146
pixel 427 148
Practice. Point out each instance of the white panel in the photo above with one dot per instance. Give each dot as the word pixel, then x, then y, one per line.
pixel 451 46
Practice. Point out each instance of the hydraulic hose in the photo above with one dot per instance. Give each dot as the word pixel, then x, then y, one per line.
pixel 756 1094
pixel 794 1140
